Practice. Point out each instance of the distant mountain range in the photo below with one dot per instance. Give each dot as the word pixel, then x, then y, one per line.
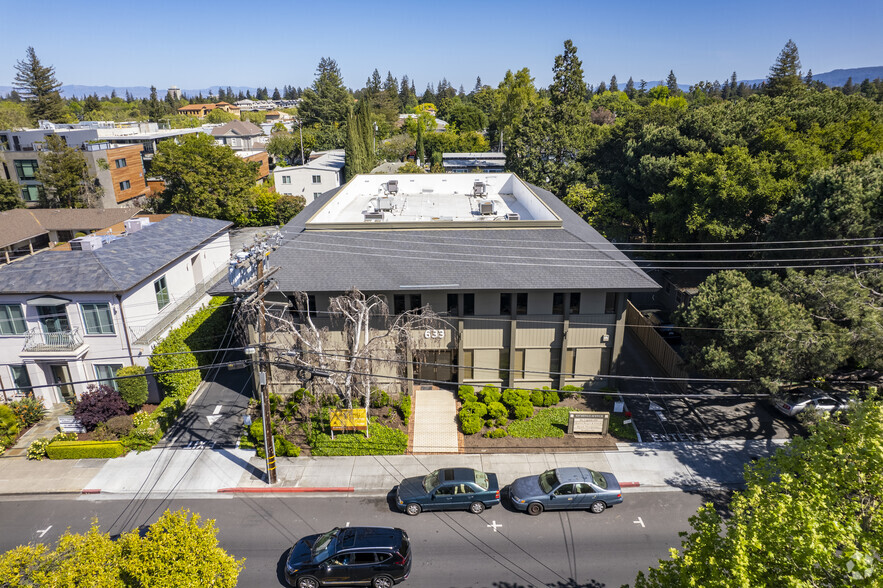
pixel 836 77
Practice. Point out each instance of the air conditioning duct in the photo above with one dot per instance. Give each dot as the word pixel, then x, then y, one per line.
pixel 486 207
pixel 89 243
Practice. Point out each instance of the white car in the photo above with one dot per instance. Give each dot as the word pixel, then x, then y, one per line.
pixel 808 398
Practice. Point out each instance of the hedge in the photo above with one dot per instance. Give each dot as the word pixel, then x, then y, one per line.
pixel 84 449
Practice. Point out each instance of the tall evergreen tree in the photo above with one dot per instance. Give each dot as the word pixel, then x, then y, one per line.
pixel 359 141
pixel 672 82
pixel 848 87
pixel 37 85
pixel 155 110
pixel 568 86
pixel 614 87
pixel 65 176
pixel 391 90
pixel 785 72
pixel 374 83
pixel 477 85
pixel 276 94
pixel 630 88
pixel 421 153
pixel 328 100
pixel 602 87
pixel 808 79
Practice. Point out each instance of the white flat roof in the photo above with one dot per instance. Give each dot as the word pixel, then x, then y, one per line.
pixel 433 199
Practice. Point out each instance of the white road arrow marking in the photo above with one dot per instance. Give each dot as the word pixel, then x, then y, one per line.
pixel 217 409
pixel 654 406
pixel 212 418
pixel 640 521
pixel 42 532
pixel 494 524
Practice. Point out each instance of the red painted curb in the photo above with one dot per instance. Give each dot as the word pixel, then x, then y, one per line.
pixel 285 490
pixel 91 491
pixel 629 484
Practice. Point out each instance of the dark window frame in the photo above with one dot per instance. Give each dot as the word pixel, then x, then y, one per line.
pixel 574 302
pixel 120 163
pixel 469 304
pixel 610 303
pixel 453 304
pixel 521 303
pixel 505 304
pixel 161 291
pixel 558 303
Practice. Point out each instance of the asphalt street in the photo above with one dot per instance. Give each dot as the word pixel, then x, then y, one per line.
pixel 500 548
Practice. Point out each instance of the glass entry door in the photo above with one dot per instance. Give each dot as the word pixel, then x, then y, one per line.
pixel 62 377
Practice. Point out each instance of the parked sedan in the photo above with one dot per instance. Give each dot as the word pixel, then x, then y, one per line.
pixel 565 489
pixel 448 489
pixel 814 398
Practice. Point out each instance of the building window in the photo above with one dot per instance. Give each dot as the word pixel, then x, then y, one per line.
pixel 316 195
pixel 468 364
pixel 468 304
pixel 574 303
pixel 453 305
pixel 416 301
pixel 120 163
pixel 286 179
pixel 610 303
pixel 405 302
pixel 106 374
pixel 21 378
pixel 519 364
pixel 26 169
pixel 31 193
pixel 558 303
pixel 555 361
pixel 6 171
pixel 125 185
pixel 97 319
pixel 12 320
pixel 505 304
pixel 317 179
pixel 4 143
pixel 162 293
pixel 504 365
pixel 53 319
pixel 521 303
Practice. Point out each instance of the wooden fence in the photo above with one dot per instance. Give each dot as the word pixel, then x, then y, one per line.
pixel 666 357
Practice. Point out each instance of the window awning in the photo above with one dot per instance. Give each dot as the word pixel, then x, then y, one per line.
pixel 47 301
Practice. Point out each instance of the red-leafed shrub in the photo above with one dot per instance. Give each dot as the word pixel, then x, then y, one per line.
pixel 98 405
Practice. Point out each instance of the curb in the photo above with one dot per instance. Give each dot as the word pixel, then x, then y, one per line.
pixel 290 490
pixel 629 484
pixel 91 491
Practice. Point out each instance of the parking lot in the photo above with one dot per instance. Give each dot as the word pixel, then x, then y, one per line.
pixel 721 413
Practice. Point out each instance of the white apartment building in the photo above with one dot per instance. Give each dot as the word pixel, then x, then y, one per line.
pixel 322 173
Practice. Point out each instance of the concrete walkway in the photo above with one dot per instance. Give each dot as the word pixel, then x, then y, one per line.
pixel 434 422
pixel 48 428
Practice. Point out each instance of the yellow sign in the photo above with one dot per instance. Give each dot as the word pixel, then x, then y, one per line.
pixel 343 419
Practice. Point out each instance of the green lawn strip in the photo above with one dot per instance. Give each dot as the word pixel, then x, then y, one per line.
pixel 548 422
pixel 382 441
pixel 620 430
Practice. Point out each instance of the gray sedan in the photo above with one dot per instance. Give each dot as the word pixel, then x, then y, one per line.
pixel 809 398
pixel 565 489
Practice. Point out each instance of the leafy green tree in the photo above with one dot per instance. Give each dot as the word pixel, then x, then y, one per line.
pixel 603 212
pixel 10 195
pixel 410 168
pixel 737 330
pixel 808 516
pixel 218 116
pixel 271 208
pixel 838 203
pixel 284 145
pixel 156 109
pixel 718 197
pixel 65 176
pixel 327 101
pixel 204 179
pixel 421 154
pixel 37 85
pixel 515 94
pixel 396 148
pixel 568 86
pixel 13 115
pixel 785 72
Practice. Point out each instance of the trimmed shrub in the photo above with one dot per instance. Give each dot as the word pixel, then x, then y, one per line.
pixel 132 390
pixel 404 407
pixel 120 426
pixel 379 398
pixel 495 410
pixel 29 410
pixel 85 449
pixel 496 434
pixel 512 397
pixel 523 410
pixel 550 398
pixel 37 449
pixel 466 394
pixel 10 425
pixel 478 409
pixel 490 394
pixel 567 391
pixel 470 424
pixel 97 405
pixel 536 398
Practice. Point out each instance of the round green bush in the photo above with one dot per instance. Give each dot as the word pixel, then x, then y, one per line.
pixel 536 398
pixel 467 394
pixel 133 390
pixel 512 397
pixel 523 410
pixel 490 394
pixel 502 421
pixel 567 391
pixel 496 434
pixel 379 398
pixel 121 425
pixel 478 409
pixel 550 398
pixel 470 424
pixel 496 410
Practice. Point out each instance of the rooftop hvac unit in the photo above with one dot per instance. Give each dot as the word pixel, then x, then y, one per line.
pixel 133 225
pixel 384 203
pixel 486 207
pixel 479 189
pixel 90 243
pixel 512 216
pixel 372 214
pixel 392 186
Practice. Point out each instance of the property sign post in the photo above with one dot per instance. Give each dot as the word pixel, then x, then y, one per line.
pixel 584 422
pixel 352 419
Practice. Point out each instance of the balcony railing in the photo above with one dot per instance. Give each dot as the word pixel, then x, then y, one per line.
pixel 59 341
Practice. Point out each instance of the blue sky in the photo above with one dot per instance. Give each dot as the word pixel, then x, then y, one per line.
pixel 194 44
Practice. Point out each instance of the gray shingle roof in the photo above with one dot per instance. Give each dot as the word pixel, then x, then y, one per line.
pixel 574 256
pixel 116 267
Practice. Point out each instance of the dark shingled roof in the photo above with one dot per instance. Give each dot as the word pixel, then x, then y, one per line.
pixel 116 267
pixel 574 256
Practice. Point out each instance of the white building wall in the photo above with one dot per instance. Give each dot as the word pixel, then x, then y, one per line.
pixel 302 182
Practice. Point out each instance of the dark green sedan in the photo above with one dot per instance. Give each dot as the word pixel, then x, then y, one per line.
pixel 448 489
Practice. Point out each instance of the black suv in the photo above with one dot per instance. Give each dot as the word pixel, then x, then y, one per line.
pixel 368 556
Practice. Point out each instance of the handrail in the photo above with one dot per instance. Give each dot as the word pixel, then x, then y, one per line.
pixel 58 341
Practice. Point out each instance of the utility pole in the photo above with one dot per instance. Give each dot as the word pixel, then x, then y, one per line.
pixel 264 362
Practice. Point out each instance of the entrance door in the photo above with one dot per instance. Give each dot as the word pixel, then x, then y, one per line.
pixel 62 377
pixel 437 366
